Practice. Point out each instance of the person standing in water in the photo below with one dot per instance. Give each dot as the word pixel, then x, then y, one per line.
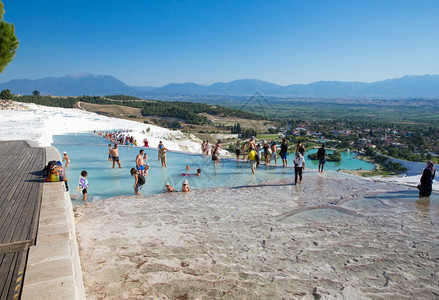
pixel 426 185
pixel 266 148
pixel 216 150
pixel 83 185
pixel 115 156
pixel 301 149
pixel 284 152
pixel 237 150
pixel 298 167
pixel 160 146
pixel 321 155
pixel 139 181
pixel 65 158
pixel 110 157
pixel 207 145
pixel 274 153
pixel 162 154
pixel 140 163
pixel 252 155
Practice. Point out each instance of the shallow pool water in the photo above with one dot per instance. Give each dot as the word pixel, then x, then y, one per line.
pixel 89 152
pixel 348 162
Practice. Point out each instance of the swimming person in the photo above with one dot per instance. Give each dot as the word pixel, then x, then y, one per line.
pixel 252 157
pixel 284 152
pixel 115 156
pixel 83 185
pixel 140 163
pixel 185 186
pixel 198 172
pixel 139 180
pixel 426 185
pixel 65 158
pixel 298 167
pixel 321 155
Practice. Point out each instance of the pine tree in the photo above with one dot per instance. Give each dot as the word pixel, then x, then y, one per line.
pixel 8 41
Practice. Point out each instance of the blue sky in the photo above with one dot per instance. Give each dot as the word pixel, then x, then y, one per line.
pixel 153 43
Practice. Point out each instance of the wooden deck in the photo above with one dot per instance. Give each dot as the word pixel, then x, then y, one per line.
pixel 21 186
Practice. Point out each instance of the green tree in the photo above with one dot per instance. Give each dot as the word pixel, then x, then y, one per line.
pixel 36 93
pixel 8 41
pixel 6 95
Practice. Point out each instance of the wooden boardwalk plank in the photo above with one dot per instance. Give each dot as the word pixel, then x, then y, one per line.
pixel 20 201
pixel 17 203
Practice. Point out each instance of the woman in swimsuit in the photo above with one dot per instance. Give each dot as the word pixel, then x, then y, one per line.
pixel 163 156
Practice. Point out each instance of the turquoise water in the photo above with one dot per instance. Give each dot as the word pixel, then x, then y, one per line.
pixel 348 162
pixel 89 152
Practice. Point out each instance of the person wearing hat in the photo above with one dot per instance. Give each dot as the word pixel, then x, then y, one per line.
pixel 298 167
pixel 185 186
pixel 65 158
pixel 169 187
pixel 426 185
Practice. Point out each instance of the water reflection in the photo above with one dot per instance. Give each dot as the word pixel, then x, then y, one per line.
pixel 423 206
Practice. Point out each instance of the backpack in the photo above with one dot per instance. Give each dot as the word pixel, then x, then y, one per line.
pixel 141 179
pixel 47 168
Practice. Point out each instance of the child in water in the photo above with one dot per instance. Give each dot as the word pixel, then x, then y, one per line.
pixel 83 185
pixel 169 188
pixel 185 186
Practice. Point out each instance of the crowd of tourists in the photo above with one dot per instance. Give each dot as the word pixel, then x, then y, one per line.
pixel 254 152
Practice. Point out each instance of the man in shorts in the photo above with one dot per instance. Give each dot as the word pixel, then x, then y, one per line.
pixel 252 158
pixel 115 156
pixel 273 152
pixel 140 163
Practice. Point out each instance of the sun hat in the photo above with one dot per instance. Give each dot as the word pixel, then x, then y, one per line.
pixel 167 183
pixel 64 152
pixel 185 181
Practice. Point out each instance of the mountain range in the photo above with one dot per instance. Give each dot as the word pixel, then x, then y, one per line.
pixel 423 86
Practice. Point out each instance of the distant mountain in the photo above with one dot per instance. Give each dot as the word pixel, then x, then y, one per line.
pixel 72 85
pixel 425 86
